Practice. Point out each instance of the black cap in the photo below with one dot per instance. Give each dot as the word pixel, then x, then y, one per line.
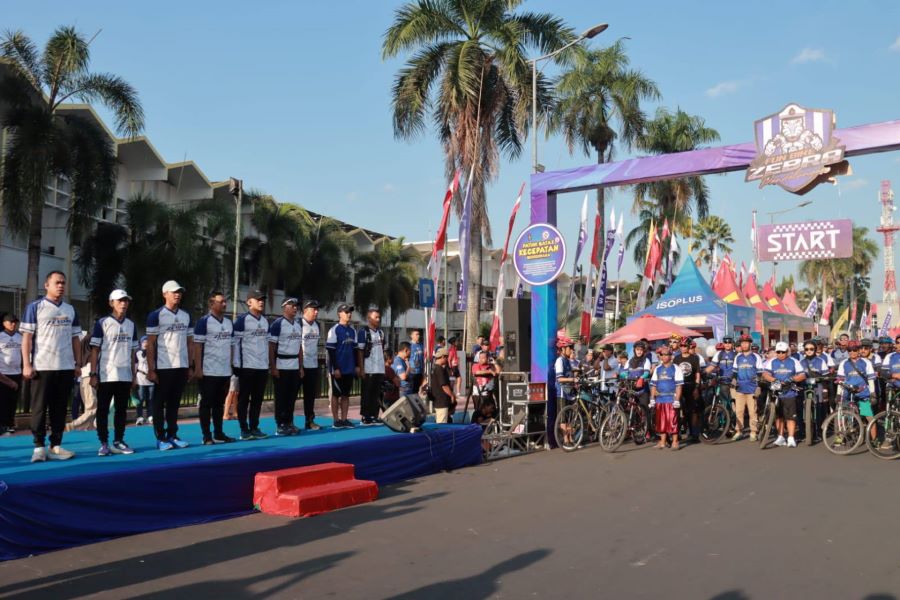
pixel 256 295
pixel 608 347
pixel 728 340
pixel 345 308
pixel 290 300
pixel 10 317
pixel 373 308
pixel 311 304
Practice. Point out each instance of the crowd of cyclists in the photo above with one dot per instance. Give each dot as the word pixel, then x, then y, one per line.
pixel 841 394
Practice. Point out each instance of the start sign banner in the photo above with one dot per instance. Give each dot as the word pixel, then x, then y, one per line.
pixel 803 241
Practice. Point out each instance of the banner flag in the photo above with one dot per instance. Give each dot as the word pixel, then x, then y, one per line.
pixel 465 241
pixel 887 323
pixel 811 309
pixel 501 284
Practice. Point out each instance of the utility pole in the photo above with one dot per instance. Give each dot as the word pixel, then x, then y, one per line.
pixel 236 189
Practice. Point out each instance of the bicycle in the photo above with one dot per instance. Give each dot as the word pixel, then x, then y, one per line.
pixel 626 416
pixel 883 433
pixel 717 418
pixel 843 429
pixel 812 403
pixel 588 408
pixel 777 389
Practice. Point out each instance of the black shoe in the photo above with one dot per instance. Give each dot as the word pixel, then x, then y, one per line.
pixel 222 439
pixel 378 421
pixel 208 441
pixel 312 426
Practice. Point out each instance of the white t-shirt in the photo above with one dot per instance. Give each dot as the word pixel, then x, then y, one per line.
pixel 251 342
pixel 53 326
pixel 216 337
pixel 287 334
pixel 116 341
pixel 310 344
pixel 141 371
pixel 172 330
pixel 374 363
pixel 10 353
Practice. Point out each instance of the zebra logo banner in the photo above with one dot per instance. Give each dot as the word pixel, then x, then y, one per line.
pixel 794 148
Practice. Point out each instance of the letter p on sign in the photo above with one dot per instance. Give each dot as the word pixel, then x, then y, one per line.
pixel 426 293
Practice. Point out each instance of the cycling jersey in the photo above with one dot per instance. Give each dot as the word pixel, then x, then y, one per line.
pixel 666 379
pixel 723 360
pixel 783 370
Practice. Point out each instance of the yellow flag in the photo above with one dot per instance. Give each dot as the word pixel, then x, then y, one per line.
pixel 836 330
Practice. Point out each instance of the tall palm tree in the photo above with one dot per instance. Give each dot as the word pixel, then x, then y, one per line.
pixel 598 103
pixel 668 133
pixel 467 72
pixel 324 271
pixel 45 142
pixel 101 263
pixel 712 237
pixel 386 277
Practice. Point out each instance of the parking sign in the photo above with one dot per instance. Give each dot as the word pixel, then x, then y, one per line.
pixel 426 293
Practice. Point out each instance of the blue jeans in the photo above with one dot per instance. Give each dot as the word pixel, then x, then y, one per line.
pixel 145 398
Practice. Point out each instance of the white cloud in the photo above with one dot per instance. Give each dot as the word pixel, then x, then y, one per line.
pixel 855 184
pixel 388 188
pixel 896 45
pixel 723 88
pixel 808 55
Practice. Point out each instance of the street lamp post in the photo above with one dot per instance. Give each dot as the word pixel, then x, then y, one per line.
pixel 588 34
pixel 781 212
pixel 236 189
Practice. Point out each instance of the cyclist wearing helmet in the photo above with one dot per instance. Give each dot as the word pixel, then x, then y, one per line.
pixel 691 406
pixel 638 368
pixel 563 368
pixel 746 368
pixel 891 365
pixel 815 366
pixel 885 346
pixel 867 351
pixel 859 377
pixel 723 360
pixel 785 369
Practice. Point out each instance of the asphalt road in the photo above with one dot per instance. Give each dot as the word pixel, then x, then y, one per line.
pixel 726 522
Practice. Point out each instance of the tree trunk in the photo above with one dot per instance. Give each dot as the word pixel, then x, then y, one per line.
pixel 35 228
pixel 601 198
pixel 473 298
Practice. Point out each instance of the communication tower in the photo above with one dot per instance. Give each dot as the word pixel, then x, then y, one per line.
pixel 888 228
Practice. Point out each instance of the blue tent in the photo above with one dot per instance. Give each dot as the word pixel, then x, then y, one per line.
pixel 691 302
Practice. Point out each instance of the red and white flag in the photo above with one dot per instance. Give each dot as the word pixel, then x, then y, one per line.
pixel 437 253
pixel 501 286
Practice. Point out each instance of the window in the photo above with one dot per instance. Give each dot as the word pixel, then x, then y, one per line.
pixel 59 193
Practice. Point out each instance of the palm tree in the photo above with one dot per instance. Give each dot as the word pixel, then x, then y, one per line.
pixel 598 102
pixel 386 277
pixel 325 273
pixel 44 141
pixel 667 134
pixel 638 237
pixel 712 237
pixel 101 263
pixel 468 73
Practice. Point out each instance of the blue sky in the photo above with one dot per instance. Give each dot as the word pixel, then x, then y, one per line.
pixel 294 96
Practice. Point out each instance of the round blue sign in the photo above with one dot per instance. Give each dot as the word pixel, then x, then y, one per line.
pixel 539 254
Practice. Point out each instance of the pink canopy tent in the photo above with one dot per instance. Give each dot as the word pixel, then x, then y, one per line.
pixel 648 327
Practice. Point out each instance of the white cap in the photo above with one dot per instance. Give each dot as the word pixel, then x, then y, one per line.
pixel 172 286
pixel 118 295
pixel 782 347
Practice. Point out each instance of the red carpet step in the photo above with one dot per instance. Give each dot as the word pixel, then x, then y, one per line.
pixel 312 490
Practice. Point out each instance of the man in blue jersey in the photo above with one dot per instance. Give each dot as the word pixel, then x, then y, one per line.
pixel 400 366
pixel 341 348
pixel 213 344
pixel 169 331
pixel 285 339
pixel 370 356
pixel 113 345
pixel 309 369
pixel 747 367
pixel 416 360
pixel 251 361
pixel 785 369
pixel 51 357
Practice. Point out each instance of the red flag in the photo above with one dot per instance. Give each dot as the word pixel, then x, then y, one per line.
pixel 743 274
pixel 665 231
pixel 501 288
pixel 441 240
pixel 853 313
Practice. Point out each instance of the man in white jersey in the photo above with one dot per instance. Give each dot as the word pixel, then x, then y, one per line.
pixel 284 365
pixel 10 372
pixel 251 362
pixel 51 357
pixel 370 357
pixel 113 344
pixel 169 330
pixel 309 369
pixel 213 342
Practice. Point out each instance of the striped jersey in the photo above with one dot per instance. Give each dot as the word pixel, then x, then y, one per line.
pixel 117 340
pixel 251 342
pixel 215 337
pixel 172 330
pixel 310 332
pixel 288 335
pixel 53 326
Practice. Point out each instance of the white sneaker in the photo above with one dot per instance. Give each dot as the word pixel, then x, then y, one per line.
pixel 780 441
pixel 39 455
pixel 140 421
pixel 737 436
pixel 753 437
pixel 150 420
pixel 791 442
pixel 60 453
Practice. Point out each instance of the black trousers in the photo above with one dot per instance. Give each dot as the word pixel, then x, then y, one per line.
pixel 50 392
pixel 310 391
pixel 415 382
pixel 287 384
pixel 213 391
pixel 107 391
pixel 9 399
pixel 370 402
pixel 169 389
pixel 252 386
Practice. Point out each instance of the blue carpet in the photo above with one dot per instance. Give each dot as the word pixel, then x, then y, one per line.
pixel 52 505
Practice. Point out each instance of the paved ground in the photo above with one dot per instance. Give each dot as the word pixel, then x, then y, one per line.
pixel 727 522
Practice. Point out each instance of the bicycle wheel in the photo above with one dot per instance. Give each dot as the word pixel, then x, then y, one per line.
pixel 808 422
pixel 595 420
pixel 886 441
pixel 716 422
pixel 613 430
pixel 640 425
pixel 766 425
pixel 842 432
pixel 569 428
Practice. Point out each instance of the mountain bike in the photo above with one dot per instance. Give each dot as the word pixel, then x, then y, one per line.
pixel 580 420
pixel 843 430
pixel 883 432
pixel 626 416
pixel 813 405
pixel 717 416
pixel 777 390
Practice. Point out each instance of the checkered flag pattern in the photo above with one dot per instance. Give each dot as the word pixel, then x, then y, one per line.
pixel 806 226
pixel 803 255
